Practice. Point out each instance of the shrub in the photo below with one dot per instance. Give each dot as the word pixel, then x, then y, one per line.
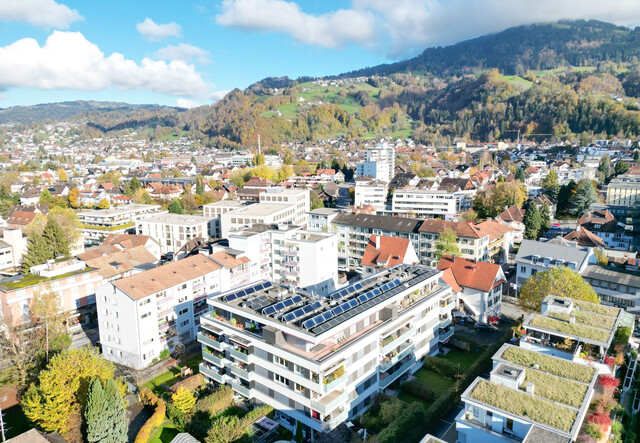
pixel 184 400
pixel 418 390
pixel 586 438
pixel 216 402
pixel 148 398
pixel 164 354
pixel 178 417
pixel 404 428
pixel 458 339
pixel 442 367
pixel 602 419
pixel 190 383
pixel 594 430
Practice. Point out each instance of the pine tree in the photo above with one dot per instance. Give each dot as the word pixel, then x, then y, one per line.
pixel 116 412
pixel 38 252
pixel 545 218
pixel 175 207
pixel 98 426
pixel 519 175
pixel 531 222
pixel 54 236
pixel 605 166
pixel 584 196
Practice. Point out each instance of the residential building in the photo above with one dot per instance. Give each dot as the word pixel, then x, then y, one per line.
pixel 21 216
pixel 379 163
pixel 481 284
pixel 371 192
pixel 613 233
pixel 148 312
pixel 426 203
pixel 536 256
pixel 216 209
pixel 501 240
pixel 624 191
pixel 321 219
pixel 615 286
pixel 288 255
pixel 321 361
pixel 385 252
pixel 298 198
pixel 472 243
pixel 584 237
pixel 72 281
pixel 173 231
pixel 13 247
pixel 99 223
pixel 513 217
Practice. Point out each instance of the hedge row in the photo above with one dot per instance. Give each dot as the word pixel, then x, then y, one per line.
pixel 216 402
pixel 226 429
pixel 190 383
pixel 443 367
pixel 418 390
pixel 148 398
pixel 406 427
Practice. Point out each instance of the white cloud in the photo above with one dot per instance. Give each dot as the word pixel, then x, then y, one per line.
pixel 186 103
pixel 330 30
pixel 183 52
pixel 155 31
pixel 401 27
pixel 44 13
pixel 68 60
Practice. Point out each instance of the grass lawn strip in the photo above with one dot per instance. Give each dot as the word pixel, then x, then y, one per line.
pixel 524 405
pixel 164 433
pixel 555 388
pixel 598 309
pixel 552 324
pixel 552 365
pixel 587 319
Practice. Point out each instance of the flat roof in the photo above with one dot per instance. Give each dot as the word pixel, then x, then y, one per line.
pixel 223 203
pixel 315 314
pixel 177 219
pixel 118 210
pixel 260 209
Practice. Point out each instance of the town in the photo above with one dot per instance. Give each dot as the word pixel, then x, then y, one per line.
pixel 340 290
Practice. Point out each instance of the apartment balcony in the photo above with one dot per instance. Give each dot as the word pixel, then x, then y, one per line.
pixel 217 360
pixel 240 372
pixel 327 403
pixel 390 359
pixel 391 342
pixel 444 335
pixel 331 381
pixel 212 342
pixel 445 320
pixel 447 305
pixel 213 374
pixel 290 253
pixel 241 389
pixel 386 378
pixel 335 420
pixel 241 356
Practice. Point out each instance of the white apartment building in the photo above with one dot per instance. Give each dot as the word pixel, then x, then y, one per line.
pixel 172 231
pixel 216 209
pixel 426 203
pixel 624 191
pixel 372 193
pixel 321 361
pixel 277 206
pixel 98 223
pixel 141 315
pixel 380 162
pixel 288 255
pixel 320 219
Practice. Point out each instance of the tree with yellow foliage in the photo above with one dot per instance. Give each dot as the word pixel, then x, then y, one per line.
pixel 183 400
pixel 62 175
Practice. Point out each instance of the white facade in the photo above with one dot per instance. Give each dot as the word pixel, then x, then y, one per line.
pixel 372 193
pixel 98 223
pixel 312 369
pixel 172 231
pixel 288 255
pixel 298 198
pixel 320 219
pixel 426 203
pixel 379 164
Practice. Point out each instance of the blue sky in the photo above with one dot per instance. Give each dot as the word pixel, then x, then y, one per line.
pixel 191 52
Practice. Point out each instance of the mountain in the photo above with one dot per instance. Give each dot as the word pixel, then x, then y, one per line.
pixel 530 47
pixel 64 110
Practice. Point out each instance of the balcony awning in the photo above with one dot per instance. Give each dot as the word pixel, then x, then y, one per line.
pixel 239 341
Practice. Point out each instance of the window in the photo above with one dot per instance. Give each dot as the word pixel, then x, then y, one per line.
pixel 282 362
pixel 509 424
pixel 299 388
pixel 145 315
pixel 145 302
pixel 280 379
pixel 184 311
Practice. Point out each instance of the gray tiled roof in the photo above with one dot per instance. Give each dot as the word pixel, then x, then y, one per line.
pixel 605 273
pixel 556 250
pixel 382 222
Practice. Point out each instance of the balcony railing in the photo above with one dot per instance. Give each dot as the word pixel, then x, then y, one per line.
pixel 327 403
pixel 213 374
pixel 328 387
pixel 212 343
pixel 445 335
pixel 387 346
pixel 389 362
pixel 215 359
pixel 335 421
pixel 386 379
pixel 240 372
pixel 241 389
pixel 240 356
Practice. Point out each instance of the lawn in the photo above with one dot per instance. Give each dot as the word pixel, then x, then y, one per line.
pixel 164 433
pixel 172 376
pixel 464 358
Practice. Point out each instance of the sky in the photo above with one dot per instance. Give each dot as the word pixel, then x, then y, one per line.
pixel 188 53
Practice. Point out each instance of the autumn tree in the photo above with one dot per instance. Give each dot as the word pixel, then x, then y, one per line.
pixel 316 202
pixel 584 197
pixel 104 204
pixel 62 175
pixel 73 198
pixel 61 391
pixel 142 196
pixel 560 281
pixel 183 400
pixel 550 185
pixel 45 197
pixel 447 244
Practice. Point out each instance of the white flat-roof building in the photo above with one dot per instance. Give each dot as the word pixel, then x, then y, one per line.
pixel 299 198
pixel 320 361
pixel 379 163
pixel 216 209
pixel 172 231
pixel 98 223
pixel 320 219
pixel 288 255
pixel 426 203
pixel 372 193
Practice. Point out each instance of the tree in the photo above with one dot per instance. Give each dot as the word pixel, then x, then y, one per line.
pixel 605 167
pixel 264 171
pixel 142 196
pixel 532 222
pixel 62 389
pixel 132 186
pixel 560 281
pixel 5 208
pixel 73 197
pixel 48 320
pixel 45 197
pixel 550 185
pixel 38 252
pixel 584 196
pixel 469 215
pixel 288 158
pixel 636 155
pixel 258 160
pixel 284 172
pixel 199 186
pixel 316 202
pixel 565 194
pixel 104 204
pixel 105 415
pixel 545 218
pixel 447 244
pixel 54 236
pixel 175 207
pixel 621 167
pixel 68 221
pixel 183 400
pixel 62 175
pixel 519 175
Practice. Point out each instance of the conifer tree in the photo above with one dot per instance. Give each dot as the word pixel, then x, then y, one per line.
pixel 54 236
pixel 531 222
pixel 545 218
pixel 116 412
pixel 95 413
pixel 584 196
pixel 38 252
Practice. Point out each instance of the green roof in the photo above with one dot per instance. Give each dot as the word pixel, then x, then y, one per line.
pixel 33 279
pixel 564 327
pixel 556 389
pixel 596 308
pixel 587 318
pixel 524 405
pixel 552 365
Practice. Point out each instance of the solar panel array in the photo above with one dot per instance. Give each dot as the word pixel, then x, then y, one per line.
pixel 301 312
pixel 247 291
pixel 282 305
pixel 259 302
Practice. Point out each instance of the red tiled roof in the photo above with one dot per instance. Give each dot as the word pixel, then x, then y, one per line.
pixel 470 273
pixel 512 214
pixel 460 228
pixel 584 237
pixel 391 251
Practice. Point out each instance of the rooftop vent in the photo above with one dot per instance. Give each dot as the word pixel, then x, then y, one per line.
pixel 530 388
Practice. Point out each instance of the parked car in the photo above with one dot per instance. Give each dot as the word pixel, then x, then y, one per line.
pixel 484 327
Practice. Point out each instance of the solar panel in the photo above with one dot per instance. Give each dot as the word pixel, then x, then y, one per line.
pixel 309 323
pixel 231 297
pixel 297 299
pixel 358 286
pixel 250 290
pixel 289 317
pixel 287 302
pixel 269 310
pixel 376 292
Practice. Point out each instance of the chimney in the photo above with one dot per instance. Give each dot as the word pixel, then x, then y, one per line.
pixel 377 242
pixel 530 388
pixel 572 319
